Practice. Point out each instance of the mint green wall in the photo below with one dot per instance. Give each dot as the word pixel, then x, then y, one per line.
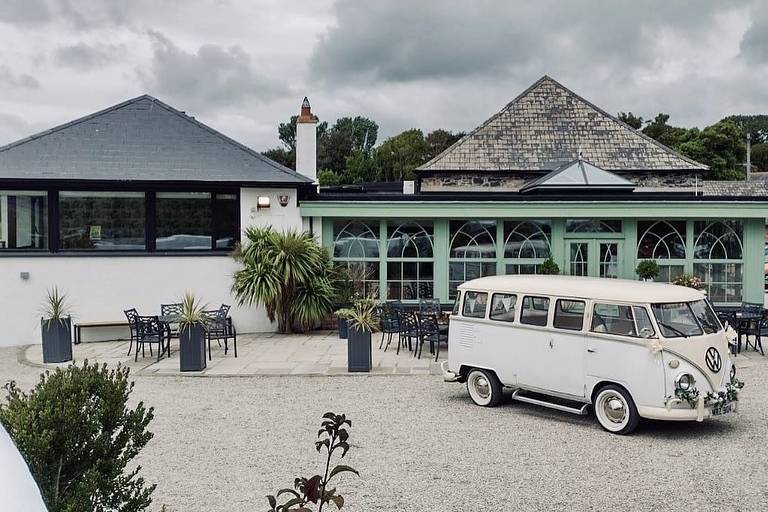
pixel 751 214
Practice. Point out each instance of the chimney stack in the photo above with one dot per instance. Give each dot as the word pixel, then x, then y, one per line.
pixel 306 142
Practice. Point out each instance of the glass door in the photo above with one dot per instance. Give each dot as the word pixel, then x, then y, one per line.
pixel 595 258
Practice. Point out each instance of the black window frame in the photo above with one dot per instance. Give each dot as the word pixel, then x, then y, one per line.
pixel 150 199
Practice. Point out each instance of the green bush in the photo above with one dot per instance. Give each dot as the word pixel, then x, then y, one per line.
pixel 78 436
pixel 549 267
pixel 647 269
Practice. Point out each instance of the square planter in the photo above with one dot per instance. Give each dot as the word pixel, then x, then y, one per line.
pixel 343 327
pixel 192 348
pixel 57 340
pixel 359 356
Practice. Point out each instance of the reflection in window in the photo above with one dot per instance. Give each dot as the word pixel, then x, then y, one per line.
pixel 226 212
pixel 521 268
pixel 717 240
pixel 569 314
pixel 527 239
pixel 613 319
pixel 471 240
pixel 364 276
pixel 503 307
pixel 534 311
pixel 184 221
pixel 462 271
pixel 661 240
pixel 409 261
pixel 355 239
pixel 722 281
pixel 23 220
pixel 475 304
pixel 592 226
pixel 102 220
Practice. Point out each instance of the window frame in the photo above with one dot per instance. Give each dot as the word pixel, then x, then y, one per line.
pixel 583 314
pixel 514 314
pixel 37 192
pixel 465 296
pixel 631 307
pixel 547 322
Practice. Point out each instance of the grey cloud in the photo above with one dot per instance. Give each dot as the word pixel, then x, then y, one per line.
pixel 17 81
pixel 83 14
pixel 754 44
pixel 83 57
pixel 432 39
pixel 25 11
pixel 12 127
pixel 212 77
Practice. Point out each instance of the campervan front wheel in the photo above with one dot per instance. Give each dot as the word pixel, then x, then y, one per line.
pixel 484 387
pixel 615 410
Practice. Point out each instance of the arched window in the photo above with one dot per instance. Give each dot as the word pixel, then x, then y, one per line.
pixel 410 264
pixel 526 245
pixel 356 246
pixel 473 244
pixel 661 239
pixel 717 256
pixel 592 226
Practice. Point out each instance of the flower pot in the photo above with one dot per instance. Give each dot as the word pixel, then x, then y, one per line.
pixel 192 348
pixel 57 340
pixel 342 325
pixel 359 355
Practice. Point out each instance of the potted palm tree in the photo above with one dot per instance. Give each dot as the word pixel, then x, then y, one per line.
pixel 56 327
pixel 192 334
pixel 362 322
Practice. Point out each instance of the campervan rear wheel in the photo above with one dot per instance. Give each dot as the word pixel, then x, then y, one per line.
pixel 484 387
pixel 615 410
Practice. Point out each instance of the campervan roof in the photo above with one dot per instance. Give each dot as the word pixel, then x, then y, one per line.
pixel 622 290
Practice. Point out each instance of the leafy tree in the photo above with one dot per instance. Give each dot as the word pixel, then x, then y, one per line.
pixel 286 132
pixel 631 119
pixel 755 125
pixel 282 156
pixel 760 157
pixel 659 130
pixel 288 273
pixel 327 177
pixel 78 436
pixel 439 140
pixel 720 146
pixel 398 156
pixel 361 167
pixel 549 267
pixel 347 136
pixel 333 435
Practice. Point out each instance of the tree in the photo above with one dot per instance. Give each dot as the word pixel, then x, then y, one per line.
pixel 282 156
pixel 79 436
pixel 760 157
pixel 286 132
pixel 659 130
pixel 399 155
pixel 328 178
pixel 439 140
pixel 632 120
pixel 347 136
pixel 721 146
pixel 756 126
pixel 287 273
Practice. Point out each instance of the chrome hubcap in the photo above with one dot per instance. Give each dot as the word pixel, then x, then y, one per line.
pixel 481 386
pixel 614 409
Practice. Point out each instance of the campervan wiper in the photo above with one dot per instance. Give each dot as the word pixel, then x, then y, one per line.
pixel 674 329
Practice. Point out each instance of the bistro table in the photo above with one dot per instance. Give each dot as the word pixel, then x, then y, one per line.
pixel 167 321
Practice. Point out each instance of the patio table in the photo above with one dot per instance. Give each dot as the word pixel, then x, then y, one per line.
pixel 167 321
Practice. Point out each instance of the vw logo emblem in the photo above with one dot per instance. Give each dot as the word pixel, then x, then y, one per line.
pixel 714 361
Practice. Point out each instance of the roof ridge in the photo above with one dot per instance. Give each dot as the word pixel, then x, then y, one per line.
pixel 74 122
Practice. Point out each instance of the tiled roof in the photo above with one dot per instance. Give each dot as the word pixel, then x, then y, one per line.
pixel 548 126
pixel 579 175
pixel 142 139
pixel 752 188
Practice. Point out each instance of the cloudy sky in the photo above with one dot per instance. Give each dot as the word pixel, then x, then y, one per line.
pixel 243 66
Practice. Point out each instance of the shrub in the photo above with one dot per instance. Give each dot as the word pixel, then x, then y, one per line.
pixel 689 281
pixel 549 267
pixel 647 269
pixel 288 273
pixel 78 436
pixel 332 436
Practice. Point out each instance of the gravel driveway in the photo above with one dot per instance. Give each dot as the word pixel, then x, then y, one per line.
pixel 221 444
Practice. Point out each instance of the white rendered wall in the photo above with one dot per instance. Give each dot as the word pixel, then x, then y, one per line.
pixel 101 287
pixel 306 149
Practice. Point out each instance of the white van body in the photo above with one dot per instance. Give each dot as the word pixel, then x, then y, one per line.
pixel 18 490
pixel 592 333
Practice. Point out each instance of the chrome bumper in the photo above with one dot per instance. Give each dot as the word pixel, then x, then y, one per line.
pixel 448 375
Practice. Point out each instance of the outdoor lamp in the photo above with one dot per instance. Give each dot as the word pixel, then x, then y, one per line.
pixel 262 203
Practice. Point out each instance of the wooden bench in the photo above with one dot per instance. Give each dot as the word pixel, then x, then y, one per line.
pixel 114 323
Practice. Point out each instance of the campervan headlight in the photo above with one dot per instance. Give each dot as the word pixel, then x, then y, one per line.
pixel 684 381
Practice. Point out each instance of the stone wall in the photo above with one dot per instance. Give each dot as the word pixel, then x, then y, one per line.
pixel 513 181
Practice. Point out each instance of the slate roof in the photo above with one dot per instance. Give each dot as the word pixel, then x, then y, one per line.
pixel 579 175
pixel 142 139
pixel 752 188
pixel 548 126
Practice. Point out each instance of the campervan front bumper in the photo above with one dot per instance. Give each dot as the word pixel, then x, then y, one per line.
pixel 686 413
pixel 448 375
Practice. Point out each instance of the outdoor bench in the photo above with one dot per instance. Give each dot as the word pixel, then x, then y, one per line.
pixel 110 323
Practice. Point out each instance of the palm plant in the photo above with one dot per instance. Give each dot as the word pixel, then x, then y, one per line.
pixel 288 273
pixel 192 311
pixel 56 306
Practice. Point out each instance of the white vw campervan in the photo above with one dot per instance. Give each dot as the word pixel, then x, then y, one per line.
pixel 628 349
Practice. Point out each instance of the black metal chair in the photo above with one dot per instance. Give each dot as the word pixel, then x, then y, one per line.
pixel 131 315
pixel 757 327
pixel 171 310
pixel 748 324
pixel 149 331
pixel 219 327
pixel 430 307
pixel 390 325
pixel 409 329
pixel 430 330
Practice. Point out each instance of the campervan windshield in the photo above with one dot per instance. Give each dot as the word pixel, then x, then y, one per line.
pixel 685 319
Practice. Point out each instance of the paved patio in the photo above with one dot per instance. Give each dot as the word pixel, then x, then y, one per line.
pixel 318 353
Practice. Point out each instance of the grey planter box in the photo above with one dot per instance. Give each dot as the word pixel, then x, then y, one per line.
pixel 57 340
pixel 343 326
pixel 359 356
pixel 192 348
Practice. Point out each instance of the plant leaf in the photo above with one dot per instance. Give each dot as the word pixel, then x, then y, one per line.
pixel 341 468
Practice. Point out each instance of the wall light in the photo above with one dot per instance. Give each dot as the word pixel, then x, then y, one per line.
pixel 262 203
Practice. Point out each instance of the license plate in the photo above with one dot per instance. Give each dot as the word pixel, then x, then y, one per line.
pixel 723 409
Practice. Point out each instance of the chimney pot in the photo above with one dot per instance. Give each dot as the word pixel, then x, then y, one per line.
pixel 306 141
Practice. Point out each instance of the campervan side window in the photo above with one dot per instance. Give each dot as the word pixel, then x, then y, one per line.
pixel 475 304
pixel 613 319
pixel 503 307
pixel 569 314
pixel 534 311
